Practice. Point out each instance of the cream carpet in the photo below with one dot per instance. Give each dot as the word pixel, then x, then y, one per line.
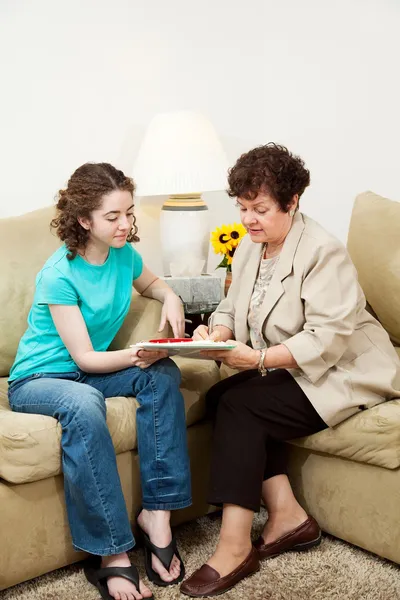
pixel 333 571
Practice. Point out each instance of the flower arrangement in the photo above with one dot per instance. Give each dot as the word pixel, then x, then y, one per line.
pixel 225 240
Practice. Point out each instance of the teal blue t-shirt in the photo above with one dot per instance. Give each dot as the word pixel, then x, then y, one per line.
pixel 103 294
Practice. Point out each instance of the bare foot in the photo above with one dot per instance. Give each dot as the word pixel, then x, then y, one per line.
pixel 279 524
pixel 156 524
pixel 119 587
pixel 227 557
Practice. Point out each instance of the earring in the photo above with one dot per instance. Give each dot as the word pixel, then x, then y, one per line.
pixel 291 213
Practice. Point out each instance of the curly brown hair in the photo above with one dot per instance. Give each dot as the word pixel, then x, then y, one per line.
pixel 269 169
pixel 84 192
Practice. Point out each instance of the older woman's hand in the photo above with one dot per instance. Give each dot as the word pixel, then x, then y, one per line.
pixel 220 333
pixel 242 357
pixel 201 333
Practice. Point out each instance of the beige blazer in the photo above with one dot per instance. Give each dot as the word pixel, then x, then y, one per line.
pixel 315 306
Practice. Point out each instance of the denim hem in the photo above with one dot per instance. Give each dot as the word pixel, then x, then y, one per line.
pixel 166 505
pixel 110 551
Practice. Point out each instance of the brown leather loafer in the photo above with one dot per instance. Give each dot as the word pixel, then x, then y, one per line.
pixel 305 536
pixel 206 581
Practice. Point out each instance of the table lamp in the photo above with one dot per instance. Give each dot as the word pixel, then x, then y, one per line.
pixel 181 156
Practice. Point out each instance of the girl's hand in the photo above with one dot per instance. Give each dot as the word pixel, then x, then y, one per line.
pixel 172 311
pixel 242 357
pixel 144 358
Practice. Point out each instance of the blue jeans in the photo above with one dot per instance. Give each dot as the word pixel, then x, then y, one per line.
pixel 96 508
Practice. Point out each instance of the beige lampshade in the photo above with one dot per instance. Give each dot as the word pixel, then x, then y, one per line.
pixel 180 154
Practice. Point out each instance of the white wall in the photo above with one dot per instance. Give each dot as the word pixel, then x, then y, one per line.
pixel 81 79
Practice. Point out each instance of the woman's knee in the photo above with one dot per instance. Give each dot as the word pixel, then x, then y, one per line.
pixel 227 388
pixel 233 400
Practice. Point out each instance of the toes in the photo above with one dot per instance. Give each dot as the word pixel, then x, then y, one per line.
pixel 145 592
pixel 175 568
pixel 117 596
pixel 159 568
pixel 176 573
pixel 164 574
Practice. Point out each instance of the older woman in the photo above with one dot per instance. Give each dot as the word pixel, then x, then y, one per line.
pixel 309 353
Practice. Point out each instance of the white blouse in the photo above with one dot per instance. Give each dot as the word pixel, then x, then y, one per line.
pixel 265 272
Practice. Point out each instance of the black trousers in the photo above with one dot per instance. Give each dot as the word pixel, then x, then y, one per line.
pixel 254 416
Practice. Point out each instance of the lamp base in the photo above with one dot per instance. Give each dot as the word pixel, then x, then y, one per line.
pixel 184 232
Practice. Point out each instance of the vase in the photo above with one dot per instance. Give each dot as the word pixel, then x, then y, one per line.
pixel 228 281
pixel 185 232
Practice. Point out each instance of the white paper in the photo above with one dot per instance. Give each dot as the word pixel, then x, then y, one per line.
pixel 188 349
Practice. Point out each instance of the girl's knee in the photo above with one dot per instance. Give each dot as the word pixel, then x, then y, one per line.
pixel 167 368
pixel 90 402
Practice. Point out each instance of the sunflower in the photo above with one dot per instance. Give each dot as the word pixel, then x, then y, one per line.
pixel 225 240
pixel 221 239
pixel 236 232
pixel 227 237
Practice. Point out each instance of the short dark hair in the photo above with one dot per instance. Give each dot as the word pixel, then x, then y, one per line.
pixel 269 169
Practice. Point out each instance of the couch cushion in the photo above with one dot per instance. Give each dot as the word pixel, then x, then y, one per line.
pixel 372 436
pixel 19 264
pixel 374 246
pixel 30 444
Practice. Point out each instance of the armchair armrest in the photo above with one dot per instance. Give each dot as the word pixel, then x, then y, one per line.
pixel 141 323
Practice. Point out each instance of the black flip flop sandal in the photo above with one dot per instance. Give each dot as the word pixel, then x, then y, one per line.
pixel 165 555
pixel 97 576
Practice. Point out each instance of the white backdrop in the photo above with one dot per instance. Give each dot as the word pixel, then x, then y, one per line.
pixel 81 79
